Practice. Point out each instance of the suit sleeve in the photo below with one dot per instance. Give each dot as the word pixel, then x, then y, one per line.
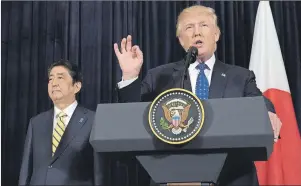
pixel 98 169
pixel 26 165
pixel 137 91
pixel 251 89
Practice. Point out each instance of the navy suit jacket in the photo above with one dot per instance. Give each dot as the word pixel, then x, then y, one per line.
pixel 74 162
pixel 227 81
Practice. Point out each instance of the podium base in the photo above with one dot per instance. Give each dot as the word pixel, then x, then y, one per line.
pixel 184 184
pixel 183 168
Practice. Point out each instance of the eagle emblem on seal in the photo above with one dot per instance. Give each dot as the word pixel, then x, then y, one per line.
pixel 176 113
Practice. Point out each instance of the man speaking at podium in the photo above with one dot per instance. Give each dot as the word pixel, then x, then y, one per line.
pixel 207 77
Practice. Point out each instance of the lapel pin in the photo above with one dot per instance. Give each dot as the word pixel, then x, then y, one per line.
pixel 81 120
pixel 223 74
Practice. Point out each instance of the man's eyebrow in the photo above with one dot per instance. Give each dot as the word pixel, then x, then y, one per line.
pixel 60 74
pixel 188 24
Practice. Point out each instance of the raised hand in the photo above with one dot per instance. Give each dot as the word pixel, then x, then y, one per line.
pixel 130 58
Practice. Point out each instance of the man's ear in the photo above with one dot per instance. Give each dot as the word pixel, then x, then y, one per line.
pixel 78 86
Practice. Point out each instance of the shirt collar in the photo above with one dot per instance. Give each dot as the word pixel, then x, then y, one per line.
pixel 69 110
pixel 210 63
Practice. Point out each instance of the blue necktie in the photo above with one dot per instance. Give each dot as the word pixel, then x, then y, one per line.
pixel 202 84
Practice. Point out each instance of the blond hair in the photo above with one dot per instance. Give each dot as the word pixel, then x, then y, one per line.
pixel 196 8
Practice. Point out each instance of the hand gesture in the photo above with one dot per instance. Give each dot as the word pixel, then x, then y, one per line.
pixel 130 58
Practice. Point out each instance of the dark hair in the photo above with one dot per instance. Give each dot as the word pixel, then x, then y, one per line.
pixel 72 68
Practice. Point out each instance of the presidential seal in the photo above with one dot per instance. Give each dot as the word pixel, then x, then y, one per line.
pixel 176 116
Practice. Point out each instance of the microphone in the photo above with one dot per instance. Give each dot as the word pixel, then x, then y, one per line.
pixel 192 53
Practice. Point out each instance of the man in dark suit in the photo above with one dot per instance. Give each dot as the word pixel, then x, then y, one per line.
pixel 208 78
pixel 57 149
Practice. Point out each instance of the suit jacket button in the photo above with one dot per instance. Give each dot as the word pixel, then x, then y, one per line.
pixel 50 166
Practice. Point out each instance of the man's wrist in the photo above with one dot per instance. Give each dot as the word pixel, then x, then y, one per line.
pixel 128 77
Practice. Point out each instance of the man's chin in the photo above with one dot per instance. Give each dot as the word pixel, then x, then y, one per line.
pixel 56 99
pixel 201 51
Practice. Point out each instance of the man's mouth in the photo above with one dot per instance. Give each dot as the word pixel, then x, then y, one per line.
pixel 198 43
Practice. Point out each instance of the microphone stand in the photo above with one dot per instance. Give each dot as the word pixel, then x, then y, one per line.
pixel 190 58
pixel 184 76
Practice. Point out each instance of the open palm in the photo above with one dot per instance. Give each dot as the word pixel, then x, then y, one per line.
pixel 130 58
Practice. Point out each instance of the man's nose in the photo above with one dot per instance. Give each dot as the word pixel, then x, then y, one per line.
pixel 197 31
pixel 54 82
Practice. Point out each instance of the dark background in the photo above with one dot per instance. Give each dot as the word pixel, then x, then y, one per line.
pixel 34 34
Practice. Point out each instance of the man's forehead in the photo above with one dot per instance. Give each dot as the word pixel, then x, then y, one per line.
pixel 58 71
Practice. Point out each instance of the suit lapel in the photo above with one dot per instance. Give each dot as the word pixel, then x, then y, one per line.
pixel 76 122
pixel 46 133
pixel 177 76
pixel 218 80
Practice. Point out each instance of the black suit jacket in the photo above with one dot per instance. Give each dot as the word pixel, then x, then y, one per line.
pixel 227 81
pixel 74 162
